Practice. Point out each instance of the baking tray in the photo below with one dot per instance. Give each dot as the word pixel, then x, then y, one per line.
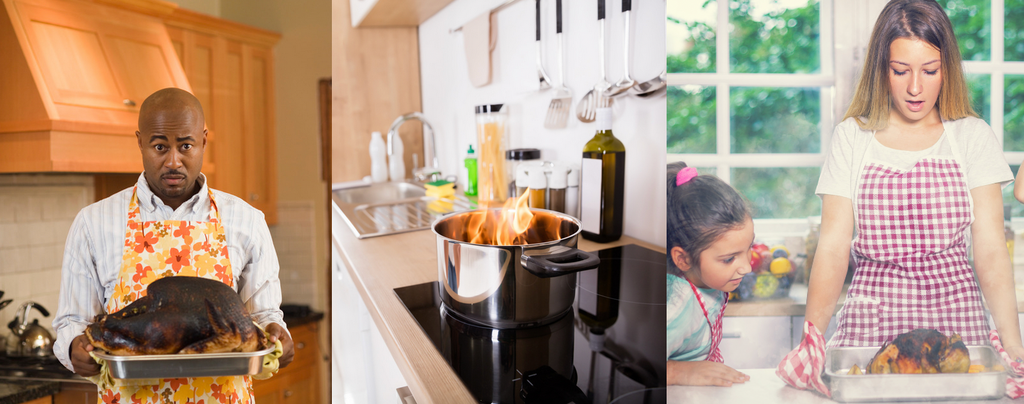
pixel 913 387
pixel 184 365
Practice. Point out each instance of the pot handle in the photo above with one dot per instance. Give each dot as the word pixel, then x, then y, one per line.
pixel 561 263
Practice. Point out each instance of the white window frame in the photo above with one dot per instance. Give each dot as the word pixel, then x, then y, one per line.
pixel 723 159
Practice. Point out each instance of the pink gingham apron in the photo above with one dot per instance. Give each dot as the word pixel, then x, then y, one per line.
pixel 911 249
pixel 715 354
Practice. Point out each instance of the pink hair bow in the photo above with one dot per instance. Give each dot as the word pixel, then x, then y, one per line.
pixel 685 175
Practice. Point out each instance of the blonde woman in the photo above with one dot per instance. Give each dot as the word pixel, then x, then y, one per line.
pixel 917 174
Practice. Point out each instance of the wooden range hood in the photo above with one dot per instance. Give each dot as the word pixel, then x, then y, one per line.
pixel 72 78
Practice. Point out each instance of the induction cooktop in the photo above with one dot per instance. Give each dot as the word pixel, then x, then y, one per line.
pixel 610 348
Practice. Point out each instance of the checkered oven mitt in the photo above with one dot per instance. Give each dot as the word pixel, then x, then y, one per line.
pixel 1015 377
pixel 802 367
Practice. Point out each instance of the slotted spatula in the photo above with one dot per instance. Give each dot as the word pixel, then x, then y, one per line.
pixel 558 110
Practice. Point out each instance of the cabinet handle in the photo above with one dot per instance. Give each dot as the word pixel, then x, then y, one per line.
pixel 128 102
pixel 254 197
pixel 736 334
pixel 288 393
pixel 300 345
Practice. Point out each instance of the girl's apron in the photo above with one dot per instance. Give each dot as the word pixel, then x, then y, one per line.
pixel 715 354
pixel 156 249
pixel 911 249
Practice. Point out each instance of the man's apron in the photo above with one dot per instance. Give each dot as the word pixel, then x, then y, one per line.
pixel 911 249
pixel 157 249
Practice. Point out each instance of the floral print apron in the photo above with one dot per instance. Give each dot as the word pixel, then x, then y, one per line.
pixel 911 248
pixel 157 249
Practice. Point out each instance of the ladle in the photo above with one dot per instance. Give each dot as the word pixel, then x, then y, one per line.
pixel 627 82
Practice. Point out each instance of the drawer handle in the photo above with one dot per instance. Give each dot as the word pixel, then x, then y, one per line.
pixel 128 102
pixel 734 334
pixel 300 345
pixel 288 393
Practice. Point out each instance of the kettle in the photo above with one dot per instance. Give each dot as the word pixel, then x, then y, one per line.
pixel 30 339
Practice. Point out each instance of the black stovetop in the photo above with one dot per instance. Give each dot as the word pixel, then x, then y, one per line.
pixel 624 299
pixel 35 368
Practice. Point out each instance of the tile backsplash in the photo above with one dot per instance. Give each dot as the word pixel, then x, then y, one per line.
pixel 36 211
pixel 294 236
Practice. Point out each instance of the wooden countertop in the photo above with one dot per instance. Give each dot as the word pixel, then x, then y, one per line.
pixel 379 265
pixel 794 305
pixel 765 387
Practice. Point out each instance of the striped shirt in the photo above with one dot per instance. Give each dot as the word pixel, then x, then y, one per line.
pixel 689 338
pixel 95 244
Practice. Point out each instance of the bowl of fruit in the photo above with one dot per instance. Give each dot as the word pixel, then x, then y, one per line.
pixel 771 276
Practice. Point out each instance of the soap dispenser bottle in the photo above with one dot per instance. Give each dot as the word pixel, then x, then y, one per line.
pixel 378 158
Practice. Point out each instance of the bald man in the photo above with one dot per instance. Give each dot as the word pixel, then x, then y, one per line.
pixel 170 223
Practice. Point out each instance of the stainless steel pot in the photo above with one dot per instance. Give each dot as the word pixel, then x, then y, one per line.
pixel 511 286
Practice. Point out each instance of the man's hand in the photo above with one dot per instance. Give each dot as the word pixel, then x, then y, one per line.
pixel 277 332
pixel 84 365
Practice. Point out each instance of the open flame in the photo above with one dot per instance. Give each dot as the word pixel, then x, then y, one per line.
pixel 514 224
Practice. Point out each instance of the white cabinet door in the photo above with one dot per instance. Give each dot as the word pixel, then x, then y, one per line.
pixel 755 342
pixel 363 370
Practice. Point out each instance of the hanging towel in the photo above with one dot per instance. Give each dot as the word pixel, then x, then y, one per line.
pixel 479 36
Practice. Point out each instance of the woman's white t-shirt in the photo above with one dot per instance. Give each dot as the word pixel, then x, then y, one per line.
pixel 980 150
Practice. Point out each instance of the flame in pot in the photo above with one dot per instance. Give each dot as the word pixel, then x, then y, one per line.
pixel 514 224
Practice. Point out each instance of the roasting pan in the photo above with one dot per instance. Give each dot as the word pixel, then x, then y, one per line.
pixel 184 365
pixel 987 385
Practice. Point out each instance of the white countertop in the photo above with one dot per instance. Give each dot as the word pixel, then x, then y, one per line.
pixel 765 387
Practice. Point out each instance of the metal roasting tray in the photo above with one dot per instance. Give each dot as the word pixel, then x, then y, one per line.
pixel 988 385
pixel 184 365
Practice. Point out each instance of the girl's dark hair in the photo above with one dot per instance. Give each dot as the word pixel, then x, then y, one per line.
pixel 700 211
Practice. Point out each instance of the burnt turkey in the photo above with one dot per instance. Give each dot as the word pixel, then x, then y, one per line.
pixel 922 351
pixel 179 314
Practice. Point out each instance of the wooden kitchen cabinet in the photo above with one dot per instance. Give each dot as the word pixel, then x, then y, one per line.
pixel 299 382
pixel 74 75
pixel 231 69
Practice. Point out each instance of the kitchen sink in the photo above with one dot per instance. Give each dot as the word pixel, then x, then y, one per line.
pixel 392 207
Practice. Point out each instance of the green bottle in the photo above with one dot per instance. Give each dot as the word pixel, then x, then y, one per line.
pixel 602 179
pixel 470 164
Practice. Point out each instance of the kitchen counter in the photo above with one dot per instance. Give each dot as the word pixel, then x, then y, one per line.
pixel 17 392
pixel 379 265
pixel 765 387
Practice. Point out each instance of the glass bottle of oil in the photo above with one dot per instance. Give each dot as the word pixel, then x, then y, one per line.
pixel 602 180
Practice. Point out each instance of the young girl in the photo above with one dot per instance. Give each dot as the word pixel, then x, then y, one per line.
pixel 709 237
pixel 917 174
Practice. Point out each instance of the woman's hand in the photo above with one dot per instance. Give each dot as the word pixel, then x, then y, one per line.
pixel 703 373
pixel 1016 352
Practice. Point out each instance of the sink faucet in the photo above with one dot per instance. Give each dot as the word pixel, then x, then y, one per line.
pixel 427 173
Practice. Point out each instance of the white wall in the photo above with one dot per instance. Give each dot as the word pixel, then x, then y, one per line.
pixel 449 98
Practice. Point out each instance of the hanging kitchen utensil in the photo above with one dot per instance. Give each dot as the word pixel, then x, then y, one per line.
pixel 558 111
pixel 652 86
pixel 627 82
pixel 586 110
pixel 545 81
pixel 5 303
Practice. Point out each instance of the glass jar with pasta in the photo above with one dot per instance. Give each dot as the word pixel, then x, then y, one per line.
pixel 492 179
